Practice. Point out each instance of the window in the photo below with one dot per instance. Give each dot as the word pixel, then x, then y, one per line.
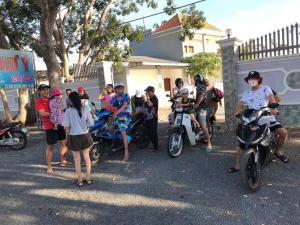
pixel 191 49
pixel 185 49
pixel 188 49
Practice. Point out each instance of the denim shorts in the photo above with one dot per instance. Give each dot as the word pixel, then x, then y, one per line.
pixel 201 116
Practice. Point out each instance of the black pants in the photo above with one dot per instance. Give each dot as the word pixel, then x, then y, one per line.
pixel 151 130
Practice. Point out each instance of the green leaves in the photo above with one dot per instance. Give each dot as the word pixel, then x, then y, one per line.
pixel 192 19
pixel 204 63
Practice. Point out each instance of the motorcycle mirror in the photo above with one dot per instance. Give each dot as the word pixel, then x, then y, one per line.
pixel 167 95
pixel 93 104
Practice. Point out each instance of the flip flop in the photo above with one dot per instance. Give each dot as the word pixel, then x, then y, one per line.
pixel 232 170
pixel 79 183
pixel 209 149
pixel 88 182
pixel 283 158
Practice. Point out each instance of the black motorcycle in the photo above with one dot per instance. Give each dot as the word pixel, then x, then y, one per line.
pixel 257 143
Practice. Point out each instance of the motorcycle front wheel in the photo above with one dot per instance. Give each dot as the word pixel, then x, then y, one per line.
pixel 250 170
pixel 96 153
pixel 175 144
pixel 19 138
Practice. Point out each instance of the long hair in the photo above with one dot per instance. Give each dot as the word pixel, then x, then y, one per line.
pixel 76 102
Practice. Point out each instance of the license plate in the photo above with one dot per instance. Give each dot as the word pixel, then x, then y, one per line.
pixel 24 130
pixel 178 119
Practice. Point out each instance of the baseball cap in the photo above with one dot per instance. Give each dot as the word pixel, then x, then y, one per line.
pixel 81 88
pixel 119 84
pixel 43 86
pixel 56 92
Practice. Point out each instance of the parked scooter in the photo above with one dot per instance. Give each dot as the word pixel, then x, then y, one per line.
pixel 257 143
pixel 106 135
pixel 13 136
pixel 182 128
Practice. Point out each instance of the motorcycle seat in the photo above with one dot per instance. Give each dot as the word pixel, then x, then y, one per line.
pixel 7 125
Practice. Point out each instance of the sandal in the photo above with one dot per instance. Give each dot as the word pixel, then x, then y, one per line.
pixel 232 170
pixel 88 182
pixel 283 158
pixel 79 183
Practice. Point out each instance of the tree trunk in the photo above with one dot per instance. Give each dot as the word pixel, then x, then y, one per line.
pixel 82 58
pixel 23 104
pixel 3 42
pixel 84 46
pixel 49 11
pixel 7 112
pixel 65 63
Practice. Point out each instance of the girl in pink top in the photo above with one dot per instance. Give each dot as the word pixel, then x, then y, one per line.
pixel 56 107
pixel 106 97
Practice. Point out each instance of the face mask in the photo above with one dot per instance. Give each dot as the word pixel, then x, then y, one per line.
pixel 252 83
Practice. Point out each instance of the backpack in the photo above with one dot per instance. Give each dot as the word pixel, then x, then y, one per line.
pixel 217 94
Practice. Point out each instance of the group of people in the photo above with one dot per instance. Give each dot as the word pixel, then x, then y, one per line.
pixel 68 123
pixel 123 107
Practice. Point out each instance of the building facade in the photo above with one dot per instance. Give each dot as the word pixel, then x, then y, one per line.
pixel 165 43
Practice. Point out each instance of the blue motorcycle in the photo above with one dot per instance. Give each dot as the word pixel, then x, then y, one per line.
pixel 107 136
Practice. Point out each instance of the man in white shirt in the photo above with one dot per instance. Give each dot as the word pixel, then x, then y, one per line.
pixel 256 97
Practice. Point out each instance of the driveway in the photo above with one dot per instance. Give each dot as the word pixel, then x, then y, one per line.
pixel 151 189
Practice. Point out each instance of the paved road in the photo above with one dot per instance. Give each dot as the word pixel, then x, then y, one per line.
pixel 193 189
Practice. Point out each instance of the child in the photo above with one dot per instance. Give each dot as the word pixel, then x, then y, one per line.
pixel 187 102
pixel 106 97
pixel 56 107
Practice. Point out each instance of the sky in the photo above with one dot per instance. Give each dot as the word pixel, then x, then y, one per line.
pixel 247 18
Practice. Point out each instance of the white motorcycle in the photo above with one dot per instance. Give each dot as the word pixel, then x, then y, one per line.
pixel 182 129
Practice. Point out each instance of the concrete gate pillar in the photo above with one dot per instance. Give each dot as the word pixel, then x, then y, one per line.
pixel 105 75
pixel 229 72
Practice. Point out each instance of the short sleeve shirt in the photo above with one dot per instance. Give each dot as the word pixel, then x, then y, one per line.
pixel 78 125
pixel 43 104
pixel 119 101
pixel 151 112
pixel 201 91
pixel 257 98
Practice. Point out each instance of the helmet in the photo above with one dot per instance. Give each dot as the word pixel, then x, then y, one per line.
pixel 178 81
pixel 184 91
pixel 138 93
pixel 199 79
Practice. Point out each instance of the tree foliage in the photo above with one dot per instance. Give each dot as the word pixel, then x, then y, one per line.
pixel 203 63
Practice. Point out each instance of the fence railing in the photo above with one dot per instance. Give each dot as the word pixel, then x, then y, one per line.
pixel 85 72
pixel 282 42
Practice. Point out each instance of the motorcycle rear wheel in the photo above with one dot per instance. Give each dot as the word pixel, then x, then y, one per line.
pixel 250 170
pixel 96 153
pixel 22 140
pixel 175 144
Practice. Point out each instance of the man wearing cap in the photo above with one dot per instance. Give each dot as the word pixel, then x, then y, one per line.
pixel 151 117
pixel 256 97
pixel 122 116
pixel 52 135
